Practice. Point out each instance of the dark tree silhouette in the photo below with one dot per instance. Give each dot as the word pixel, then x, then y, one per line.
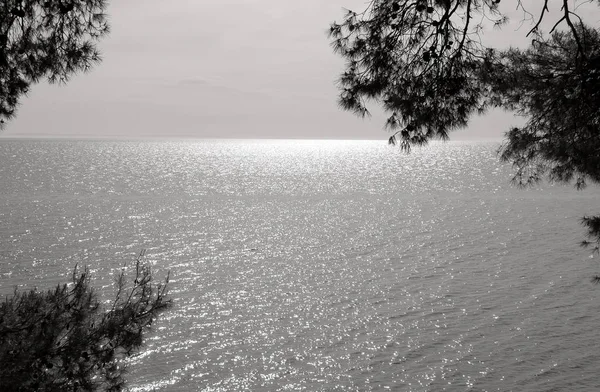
pixel 50 39
pixel 425 63
pixel 65 340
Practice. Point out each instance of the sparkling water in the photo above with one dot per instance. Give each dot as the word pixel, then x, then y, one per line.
pixel 317 265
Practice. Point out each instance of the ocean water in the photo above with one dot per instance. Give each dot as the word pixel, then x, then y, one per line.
pixel 317 265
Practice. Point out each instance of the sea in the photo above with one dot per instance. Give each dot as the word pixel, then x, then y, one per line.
pixel 301 265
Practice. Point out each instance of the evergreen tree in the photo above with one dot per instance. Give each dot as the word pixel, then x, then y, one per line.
pixel 65 340
pixel 424 62
pixel 50 39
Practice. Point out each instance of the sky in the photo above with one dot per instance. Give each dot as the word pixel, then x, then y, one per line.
pixel 218 69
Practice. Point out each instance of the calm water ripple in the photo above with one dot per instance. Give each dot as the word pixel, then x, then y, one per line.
pixel 317 266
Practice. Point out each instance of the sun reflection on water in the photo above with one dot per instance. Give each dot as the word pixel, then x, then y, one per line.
pixel 314 265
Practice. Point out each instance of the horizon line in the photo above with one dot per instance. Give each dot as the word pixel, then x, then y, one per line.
pixel 181 137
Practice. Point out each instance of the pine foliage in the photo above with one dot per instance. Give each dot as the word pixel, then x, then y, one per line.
pixel 424 62
pixel 51 39
pixel 65 340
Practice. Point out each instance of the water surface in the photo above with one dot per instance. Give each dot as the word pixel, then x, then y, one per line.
pixel 317 266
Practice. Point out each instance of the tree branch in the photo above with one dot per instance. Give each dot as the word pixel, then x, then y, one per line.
pixel 544 10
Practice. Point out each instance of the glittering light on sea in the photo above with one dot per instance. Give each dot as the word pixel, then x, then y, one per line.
pixel 317 265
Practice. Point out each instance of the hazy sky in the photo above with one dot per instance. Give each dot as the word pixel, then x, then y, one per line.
pixel 215 68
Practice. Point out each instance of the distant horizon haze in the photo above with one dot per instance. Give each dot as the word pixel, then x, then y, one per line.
pixel 225 69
